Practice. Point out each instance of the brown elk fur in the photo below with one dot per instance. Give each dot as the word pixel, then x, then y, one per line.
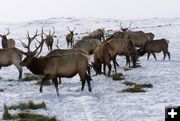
pixel 7 43
pixel 124 47
pixel 49 42
pixel 156 46
pixel 58 66
pixel 103 54
pixel 11 56
pixel 98 34
pixel 88 45
pixel 69 37
pixel 49 39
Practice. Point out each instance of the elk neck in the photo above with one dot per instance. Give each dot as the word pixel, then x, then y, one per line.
pixel 36 66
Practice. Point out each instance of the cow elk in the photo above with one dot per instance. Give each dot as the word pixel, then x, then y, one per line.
pixel 11 56
pixel 89 45
pixel 155 46
pixel 69 37
pixel 7 43
pixel 59 52
pixel 103 54
pixel 52 67
pixel 49 39
pixel 97 34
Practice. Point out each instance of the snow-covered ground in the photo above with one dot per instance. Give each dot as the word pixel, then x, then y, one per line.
pixel 104 103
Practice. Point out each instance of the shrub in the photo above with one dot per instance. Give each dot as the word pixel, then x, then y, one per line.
pixel 133 89
pixel 6 114
pixel 30 77
pixel 117 76
pixel 29 105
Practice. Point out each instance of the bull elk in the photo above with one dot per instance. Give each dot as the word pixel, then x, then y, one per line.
pixel 49 39
pixel 7 43
pixel 125 29
pixel 51 67
pixel 69 37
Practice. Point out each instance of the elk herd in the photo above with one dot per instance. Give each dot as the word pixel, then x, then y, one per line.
pixel 59 63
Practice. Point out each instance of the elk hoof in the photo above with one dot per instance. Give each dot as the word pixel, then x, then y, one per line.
pixel 40 90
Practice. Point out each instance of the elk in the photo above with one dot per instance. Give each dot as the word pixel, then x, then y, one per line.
pixel 155 46
pixel 125 29
pixel 69 37
pixel 151 35
pixel 49 39
pixel 7 43
pixel 67 65
pixel 59 52
pixel 124 47
pixel 88 45
pixel 103 54
pixel 97 34
pixel 11 56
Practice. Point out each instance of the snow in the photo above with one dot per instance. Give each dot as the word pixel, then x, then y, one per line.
pixel 104 103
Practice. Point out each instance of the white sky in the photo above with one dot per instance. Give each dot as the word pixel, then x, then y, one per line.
pixel 22 10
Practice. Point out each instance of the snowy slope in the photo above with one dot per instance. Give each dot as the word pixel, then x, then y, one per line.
pixel 104 103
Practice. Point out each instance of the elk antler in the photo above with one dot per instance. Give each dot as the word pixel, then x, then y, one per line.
pixel 8 32
pixel 30 39
pixel 125 29
pixel 37 47
pixel 53 31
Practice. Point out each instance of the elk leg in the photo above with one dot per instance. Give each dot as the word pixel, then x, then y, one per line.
pixel 168 54
pixel 48 47
pixel 114 63
pixel 89 69
pixel 47 77
pixel 83 83
pixel 134 61
pixel 164 55
pixel 20 70
pixel 88 78
pixel 56 85
pixel 109 66
pixel 127 61
pixel 154 56
pixel 104 68
pixel 59 80
pixel 148 56
pixel 114 59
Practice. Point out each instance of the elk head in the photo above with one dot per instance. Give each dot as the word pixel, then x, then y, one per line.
pixel 71 31
pixel 51 34
pixel 31 54
pixel 4 36
pixel 125 29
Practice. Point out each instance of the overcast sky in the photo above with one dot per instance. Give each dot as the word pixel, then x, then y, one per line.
pixel 22 10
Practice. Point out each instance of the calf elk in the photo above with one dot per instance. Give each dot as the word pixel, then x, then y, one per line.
pixel 7 43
